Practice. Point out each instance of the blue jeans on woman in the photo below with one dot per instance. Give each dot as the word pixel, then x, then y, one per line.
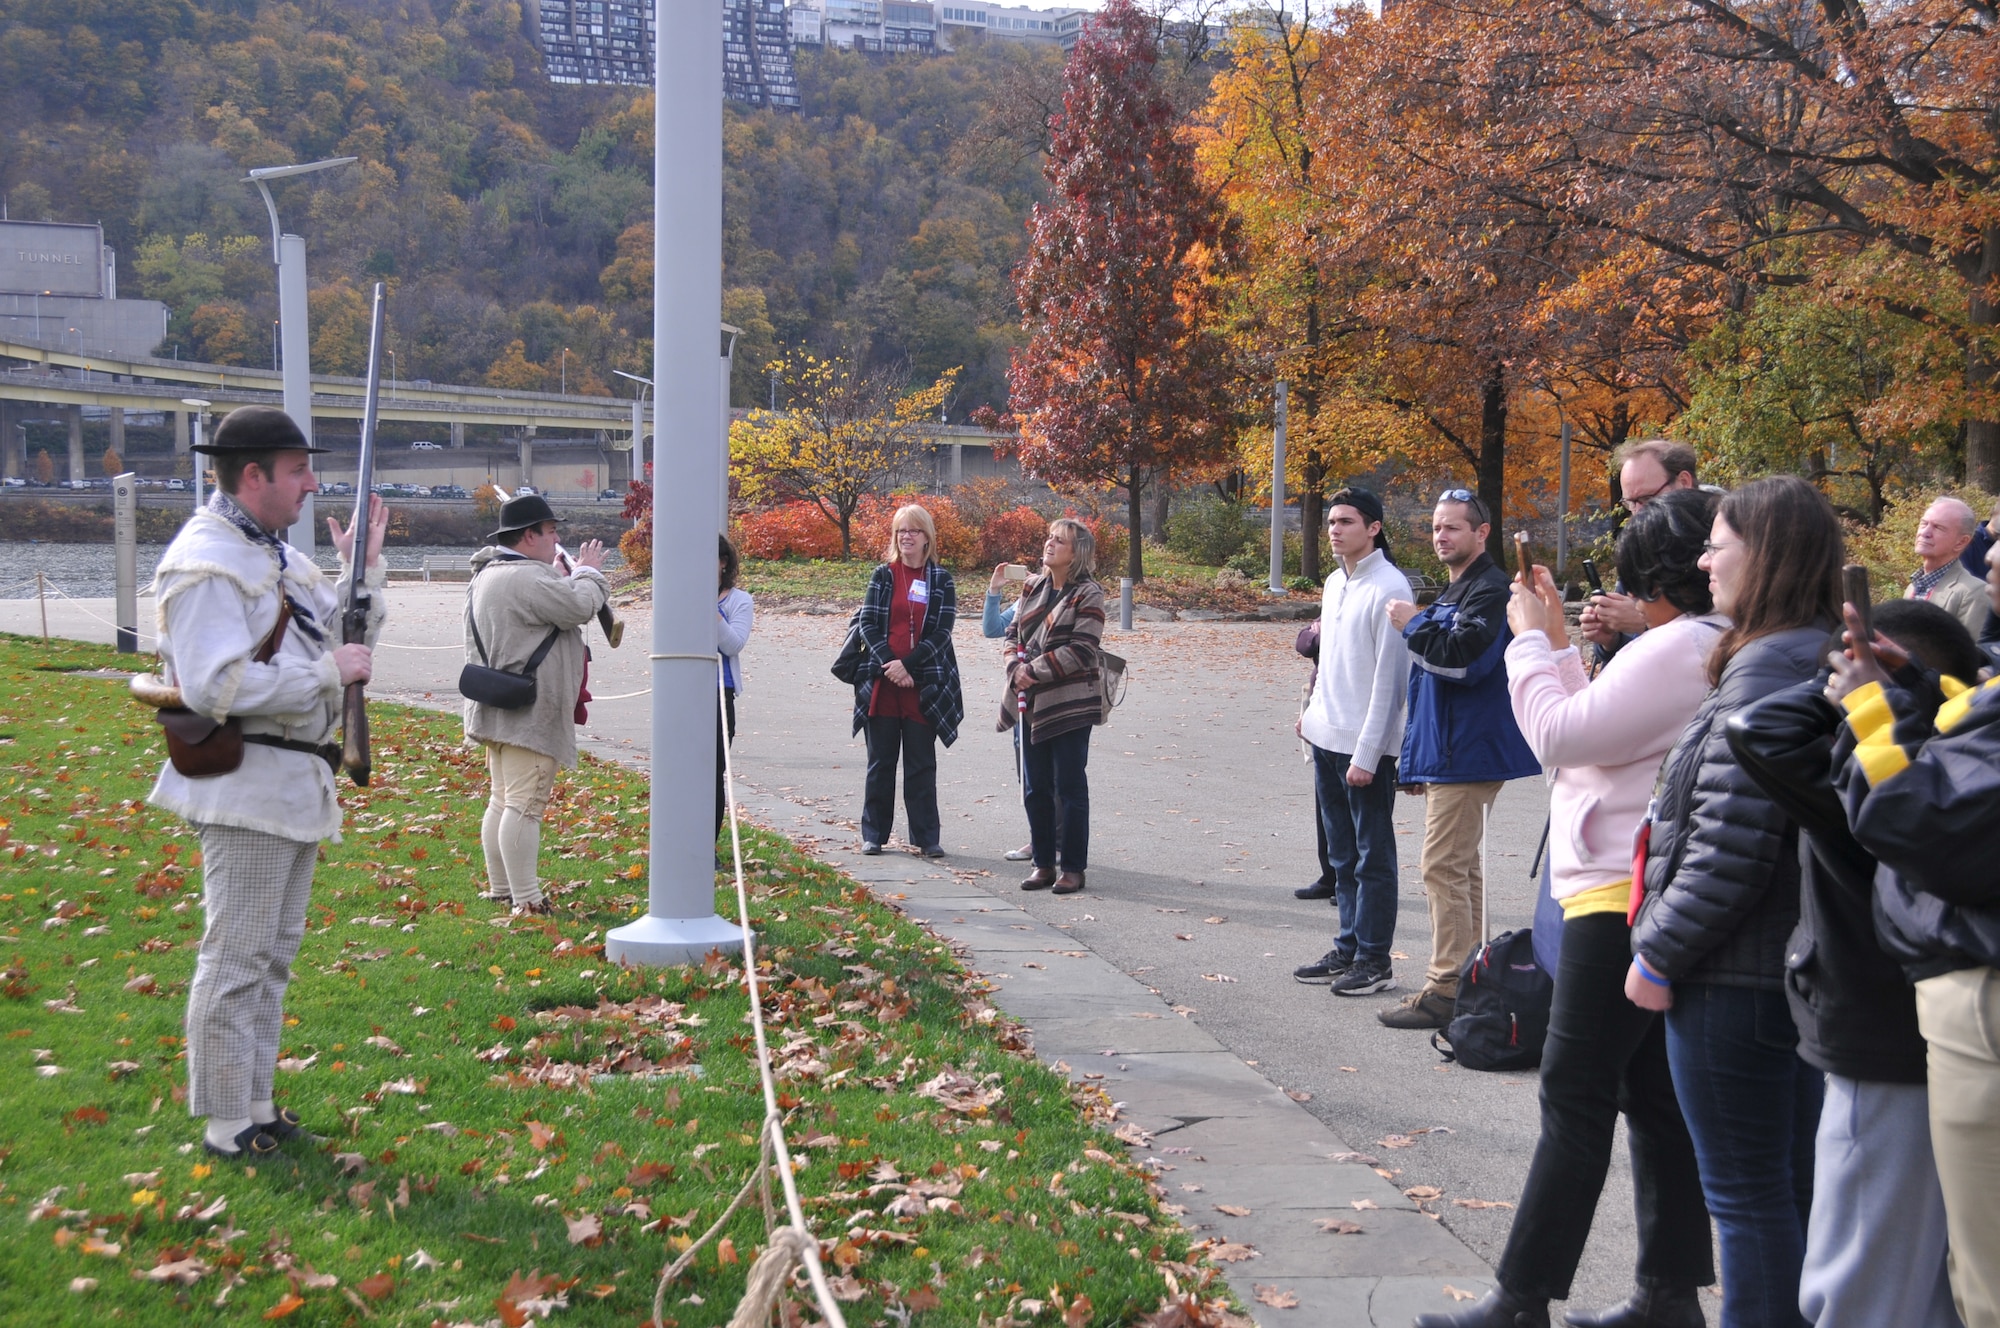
pixel 1752 1107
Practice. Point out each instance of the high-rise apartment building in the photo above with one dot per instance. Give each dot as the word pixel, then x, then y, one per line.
pixel 611 41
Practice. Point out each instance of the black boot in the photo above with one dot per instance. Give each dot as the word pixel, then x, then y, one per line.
pixel 1500 1309
pixel 1652 1305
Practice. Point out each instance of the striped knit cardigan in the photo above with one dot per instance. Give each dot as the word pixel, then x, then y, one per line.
pixel 1062 630
pixel 933 664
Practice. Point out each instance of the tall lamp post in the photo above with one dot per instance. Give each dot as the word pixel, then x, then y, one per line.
pixel 295 342
pixel 680 924
pixel 639 429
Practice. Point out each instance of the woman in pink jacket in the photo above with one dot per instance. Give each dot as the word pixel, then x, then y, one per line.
pixel 1604 740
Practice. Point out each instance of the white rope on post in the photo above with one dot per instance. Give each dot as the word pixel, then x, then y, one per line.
pixel 793 1243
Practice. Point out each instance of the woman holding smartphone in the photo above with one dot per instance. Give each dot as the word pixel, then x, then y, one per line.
pixel 1722 896
pixel 1604 738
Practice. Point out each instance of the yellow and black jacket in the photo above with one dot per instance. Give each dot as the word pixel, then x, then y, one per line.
pixel 1921 783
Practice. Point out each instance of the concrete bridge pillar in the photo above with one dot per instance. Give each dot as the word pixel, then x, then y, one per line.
pixel 181 426
pixel 73 416
pixel 527 458
pixel 118 432
pixel 458 433
pixel 13 450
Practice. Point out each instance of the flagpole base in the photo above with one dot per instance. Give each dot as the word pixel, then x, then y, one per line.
pixel 654 942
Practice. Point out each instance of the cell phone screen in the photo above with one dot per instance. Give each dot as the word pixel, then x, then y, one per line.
pixel 1590 575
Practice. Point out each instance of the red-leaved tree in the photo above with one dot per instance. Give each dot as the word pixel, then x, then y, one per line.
pixel 1125 376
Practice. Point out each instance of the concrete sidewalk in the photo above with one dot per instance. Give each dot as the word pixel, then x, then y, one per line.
pixel 1176 960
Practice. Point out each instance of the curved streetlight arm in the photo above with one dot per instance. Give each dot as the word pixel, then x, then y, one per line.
pixel 259 175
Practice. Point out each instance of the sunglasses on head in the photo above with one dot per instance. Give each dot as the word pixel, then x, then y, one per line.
pixel 1470 499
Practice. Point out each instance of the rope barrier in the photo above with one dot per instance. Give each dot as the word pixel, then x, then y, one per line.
pixel 64 594
pixel 793 1243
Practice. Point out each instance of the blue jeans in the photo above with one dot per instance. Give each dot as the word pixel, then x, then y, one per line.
pixel 1360 827
pixel 1752 1107
pixel 1057 794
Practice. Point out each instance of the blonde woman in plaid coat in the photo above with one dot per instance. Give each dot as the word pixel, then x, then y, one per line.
pixel 1058 627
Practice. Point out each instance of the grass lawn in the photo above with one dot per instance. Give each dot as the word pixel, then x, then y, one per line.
pixel 515 1128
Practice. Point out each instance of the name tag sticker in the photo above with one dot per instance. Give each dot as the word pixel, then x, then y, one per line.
pixel 920 591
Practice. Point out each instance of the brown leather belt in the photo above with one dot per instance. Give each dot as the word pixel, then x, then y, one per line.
pixel 328 752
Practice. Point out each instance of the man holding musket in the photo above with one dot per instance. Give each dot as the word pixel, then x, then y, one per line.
pixel 525 617
pixel 246 631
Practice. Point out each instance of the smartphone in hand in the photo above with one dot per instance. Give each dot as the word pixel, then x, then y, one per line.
pixel 1015 572
pixel 1590 575
pixel 1854 589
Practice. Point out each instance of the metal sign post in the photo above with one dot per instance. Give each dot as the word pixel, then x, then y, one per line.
pixel 125 535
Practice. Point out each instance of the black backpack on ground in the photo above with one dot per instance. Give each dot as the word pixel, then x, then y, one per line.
pixel 1502 1017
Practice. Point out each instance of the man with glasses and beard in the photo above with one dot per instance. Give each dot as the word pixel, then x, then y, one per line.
pixel 1646 469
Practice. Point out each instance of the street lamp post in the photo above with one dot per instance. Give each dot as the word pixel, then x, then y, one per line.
pixel 288 252
pixel 199 411
pixel 564 383
pixel 639 428
pixel 680 924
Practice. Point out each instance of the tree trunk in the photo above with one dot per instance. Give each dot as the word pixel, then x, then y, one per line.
pixel 1162 497
pixel 1493 457
pixel 1312 516
pixel 846 536
pixel 1135 495
pixel 1982 372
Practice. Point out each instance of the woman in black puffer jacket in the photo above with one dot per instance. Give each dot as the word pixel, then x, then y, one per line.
pixel 1722 896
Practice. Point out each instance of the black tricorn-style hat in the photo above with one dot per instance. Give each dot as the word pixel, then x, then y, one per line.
pixel 257 429
pixel 530 509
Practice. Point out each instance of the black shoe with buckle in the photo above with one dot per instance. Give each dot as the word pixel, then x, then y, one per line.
pixel 252 1141
pixel 285 1126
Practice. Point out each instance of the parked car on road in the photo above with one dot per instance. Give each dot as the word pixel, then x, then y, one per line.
pixel 337 488
pixel 14 482
pixel 610 495
pixel 177 486
pixel 425 445
pixel 526 489
pixel 449 491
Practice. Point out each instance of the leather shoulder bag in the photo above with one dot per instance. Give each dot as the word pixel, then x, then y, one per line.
pixel 200 747
pixel 497 687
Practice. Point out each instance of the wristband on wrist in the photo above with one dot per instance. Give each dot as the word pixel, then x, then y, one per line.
pixel 1639 963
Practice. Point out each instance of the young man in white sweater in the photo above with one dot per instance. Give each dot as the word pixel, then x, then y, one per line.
pixel 1355 725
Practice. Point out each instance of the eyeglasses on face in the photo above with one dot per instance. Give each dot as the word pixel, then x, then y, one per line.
pixel 1634 501
pixel 1475 505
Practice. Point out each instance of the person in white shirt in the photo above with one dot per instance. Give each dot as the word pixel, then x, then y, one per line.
pixel 1354 722
pixel 249 632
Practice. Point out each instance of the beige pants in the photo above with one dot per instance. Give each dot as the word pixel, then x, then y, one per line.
pixel 1454 821
pixel 1959 1014
pixel 511 832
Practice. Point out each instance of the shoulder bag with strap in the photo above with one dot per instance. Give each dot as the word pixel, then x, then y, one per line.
pixel 200 747
pixel 497 687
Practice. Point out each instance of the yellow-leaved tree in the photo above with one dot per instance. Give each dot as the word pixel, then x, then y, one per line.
pixel 845 433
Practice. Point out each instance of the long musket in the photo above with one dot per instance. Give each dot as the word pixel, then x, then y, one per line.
pixel 354 621
pixel 613 625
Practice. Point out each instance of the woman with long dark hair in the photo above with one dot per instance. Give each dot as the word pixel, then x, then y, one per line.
pixel 1604 738
pixel 1722 896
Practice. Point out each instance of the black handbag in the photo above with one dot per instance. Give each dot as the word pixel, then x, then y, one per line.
pixel 497 687
pixel 851 664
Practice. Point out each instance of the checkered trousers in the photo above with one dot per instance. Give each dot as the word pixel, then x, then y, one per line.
pixel 254 890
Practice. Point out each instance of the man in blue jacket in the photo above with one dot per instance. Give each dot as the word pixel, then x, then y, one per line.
pixel 1461 742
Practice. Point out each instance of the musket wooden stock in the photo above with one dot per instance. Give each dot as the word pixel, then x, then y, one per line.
pixel 354 755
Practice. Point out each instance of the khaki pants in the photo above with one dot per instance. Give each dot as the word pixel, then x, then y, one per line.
pixel 511 833
pixel 1454 822
pixel 1959 1014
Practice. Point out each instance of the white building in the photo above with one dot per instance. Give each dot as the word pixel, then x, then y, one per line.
pixel 1013 22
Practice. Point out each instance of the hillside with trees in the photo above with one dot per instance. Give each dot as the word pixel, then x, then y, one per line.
pixel 511 216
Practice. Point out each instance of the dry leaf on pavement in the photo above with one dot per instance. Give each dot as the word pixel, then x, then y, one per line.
pixel 1338 1226
pixel 1276 1299
pixel 1232 1210
pixel 1457 1294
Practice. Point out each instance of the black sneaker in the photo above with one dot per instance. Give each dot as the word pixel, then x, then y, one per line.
pixel 1317 890
pixel 1324 969
pixel 1365 976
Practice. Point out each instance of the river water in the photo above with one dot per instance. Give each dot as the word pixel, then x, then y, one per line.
pixel 89 571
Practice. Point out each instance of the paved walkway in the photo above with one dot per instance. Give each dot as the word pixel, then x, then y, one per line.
pixel 1171 975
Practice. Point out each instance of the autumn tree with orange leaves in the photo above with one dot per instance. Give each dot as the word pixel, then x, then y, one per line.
pixel 1125 377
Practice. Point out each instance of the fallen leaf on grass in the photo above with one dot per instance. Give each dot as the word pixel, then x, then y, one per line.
pixel 921 1298
pixel 540 1136
pixel 386 1044
pixel 287 1304
pixel 83 1285
pixel 585 1230
pixel 1456 1294
pixel 350 1164
pixel 1276 1299
pixel 1232 1210
pixel 184 1271
pixel 847 1289
pixel 421 1260
pixel 1339 1226
pixel 1481 1203
pixel 377 1286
